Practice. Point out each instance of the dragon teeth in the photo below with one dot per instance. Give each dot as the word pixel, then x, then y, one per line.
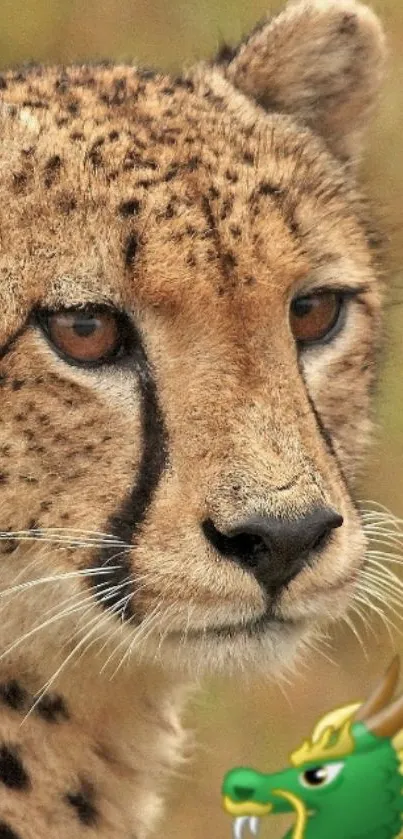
pixel 254 825
pixel 239 825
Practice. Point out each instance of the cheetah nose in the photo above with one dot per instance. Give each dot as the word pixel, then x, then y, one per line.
pixel 274 549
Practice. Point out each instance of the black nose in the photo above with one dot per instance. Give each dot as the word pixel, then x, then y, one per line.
pixel 274 549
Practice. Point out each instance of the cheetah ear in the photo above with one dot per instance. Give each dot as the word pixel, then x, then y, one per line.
pixel 319 60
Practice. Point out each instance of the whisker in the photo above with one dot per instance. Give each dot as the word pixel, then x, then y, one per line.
pixel 68 575
pixel 141 629
pixel 386 558
pixel 351 626
pixel 94 623
pixel 382 586
pixel 367 601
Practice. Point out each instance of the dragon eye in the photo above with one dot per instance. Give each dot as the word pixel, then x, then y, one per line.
pixel 320 776
pixel 315 317
pixel 86 336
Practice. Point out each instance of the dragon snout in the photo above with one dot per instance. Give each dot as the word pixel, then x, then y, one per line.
pixel 248 796
pixel 244 799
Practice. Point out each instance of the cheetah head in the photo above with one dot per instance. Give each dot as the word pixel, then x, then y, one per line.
pixel 189 319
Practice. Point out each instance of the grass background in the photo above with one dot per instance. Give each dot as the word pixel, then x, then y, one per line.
pixel 252 723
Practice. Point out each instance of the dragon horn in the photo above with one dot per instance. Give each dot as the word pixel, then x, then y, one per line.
pixel 387 722
pixel 382 694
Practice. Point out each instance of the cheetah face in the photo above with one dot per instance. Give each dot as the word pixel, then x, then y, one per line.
pixel 190 314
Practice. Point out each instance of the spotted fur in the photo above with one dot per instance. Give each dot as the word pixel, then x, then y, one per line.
pixel 197 207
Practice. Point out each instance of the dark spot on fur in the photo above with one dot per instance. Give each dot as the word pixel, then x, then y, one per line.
pixel 3 478
pixel 171 174
pixel 8 547
pixel 129 208
pixel 231 176
pixel 20 180
pixel 194 163
pixel 248 157
pixel 170 210
pixel 228 261
pixel 18 384
pixel 225 54
pixel 94 155
pixel 28 151
pixel 187 84
pixel 52 169
pixel 130 249
pixel 83 803
pixel 35 103
pixel 66 203
pixel 226 208
pixel 52 708
pixel 73 107
pixel 13 695
pixel 3 83
pixel 145 183
pixel 6 832
pixel 12 772
pixel 62 84
pixel 77 135
pixel 113 136
pixel 266 188
pixel 147 73
pixel 349 24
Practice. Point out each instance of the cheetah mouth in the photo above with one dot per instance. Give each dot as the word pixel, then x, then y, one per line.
pixel 271 620
pixel 252 628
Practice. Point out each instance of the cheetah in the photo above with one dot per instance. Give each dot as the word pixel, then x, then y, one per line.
pixel 190 302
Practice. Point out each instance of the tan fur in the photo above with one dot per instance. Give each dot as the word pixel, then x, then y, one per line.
pixel 95 160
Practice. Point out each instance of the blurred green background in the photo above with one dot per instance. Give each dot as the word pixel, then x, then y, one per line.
pixel 251 723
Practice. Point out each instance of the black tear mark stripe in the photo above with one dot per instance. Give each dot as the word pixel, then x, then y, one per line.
pixel 324 431
pixel 126 523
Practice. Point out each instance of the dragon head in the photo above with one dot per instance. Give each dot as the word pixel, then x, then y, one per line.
pixel 345 781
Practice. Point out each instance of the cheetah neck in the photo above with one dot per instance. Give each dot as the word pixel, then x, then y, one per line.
pixel 101 741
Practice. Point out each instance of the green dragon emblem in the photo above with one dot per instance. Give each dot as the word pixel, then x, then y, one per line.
pixel 345 782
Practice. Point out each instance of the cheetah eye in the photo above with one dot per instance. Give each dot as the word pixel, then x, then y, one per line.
pixel 90 336
pixel 316 317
